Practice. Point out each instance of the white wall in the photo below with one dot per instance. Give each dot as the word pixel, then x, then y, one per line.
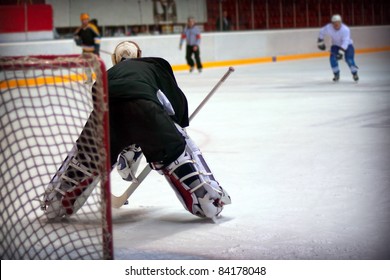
pixel 26 36
pixel 214 46
pixel 120 12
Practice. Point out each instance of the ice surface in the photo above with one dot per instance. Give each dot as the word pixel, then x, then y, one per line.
pixel 305 160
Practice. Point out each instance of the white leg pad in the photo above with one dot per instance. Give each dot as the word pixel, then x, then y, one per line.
pixel 194 183
pixel 69 189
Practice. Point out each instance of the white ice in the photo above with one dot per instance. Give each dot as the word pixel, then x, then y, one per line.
pixel 305 160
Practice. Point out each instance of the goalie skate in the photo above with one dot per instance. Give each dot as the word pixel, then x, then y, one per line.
pixel 69 189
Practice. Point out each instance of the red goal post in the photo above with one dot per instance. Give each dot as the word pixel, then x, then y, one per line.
pixel 45 102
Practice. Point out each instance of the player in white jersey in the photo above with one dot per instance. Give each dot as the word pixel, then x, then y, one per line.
pixel 341 44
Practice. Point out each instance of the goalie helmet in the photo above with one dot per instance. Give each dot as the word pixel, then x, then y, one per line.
pixel 126 49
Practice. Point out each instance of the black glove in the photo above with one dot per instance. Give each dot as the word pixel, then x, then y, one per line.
pixel 339 55
pixel 321 44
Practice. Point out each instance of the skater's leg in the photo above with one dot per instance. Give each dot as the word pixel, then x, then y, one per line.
pixel 334 50
pixel 190 61
pixel 350 60
pixel 197 59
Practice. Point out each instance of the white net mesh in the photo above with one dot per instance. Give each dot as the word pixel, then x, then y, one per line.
pixel 46 103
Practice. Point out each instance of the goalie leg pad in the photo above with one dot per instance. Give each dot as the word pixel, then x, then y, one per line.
pixel 69 188
pixel 193 182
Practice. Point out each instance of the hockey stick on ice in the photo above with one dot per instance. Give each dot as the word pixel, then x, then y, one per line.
pixel 118 201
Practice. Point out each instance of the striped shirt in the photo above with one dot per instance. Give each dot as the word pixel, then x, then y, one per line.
pixel 191 35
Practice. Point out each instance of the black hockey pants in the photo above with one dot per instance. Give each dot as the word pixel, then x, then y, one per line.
pixel 147 124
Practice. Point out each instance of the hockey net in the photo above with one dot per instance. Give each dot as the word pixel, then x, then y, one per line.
pixel 45 103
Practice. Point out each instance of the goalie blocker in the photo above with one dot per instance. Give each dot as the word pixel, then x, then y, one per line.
pixel 148 113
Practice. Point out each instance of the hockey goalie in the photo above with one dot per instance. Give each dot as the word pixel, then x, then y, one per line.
pixel 148 116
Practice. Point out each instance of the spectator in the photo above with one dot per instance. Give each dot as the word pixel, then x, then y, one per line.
pixel 225 23
pixel 164 11
pixel 135 30
pixel 191 34
pixel 119 32
pixel 144 30
pixel 56 35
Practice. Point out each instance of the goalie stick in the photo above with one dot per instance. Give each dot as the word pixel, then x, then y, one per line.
pixel 118 201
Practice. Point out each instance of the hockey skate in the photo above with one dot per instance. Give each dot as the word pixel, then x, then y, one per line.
pixel 69 189
pixel 336 77
pixel 355 77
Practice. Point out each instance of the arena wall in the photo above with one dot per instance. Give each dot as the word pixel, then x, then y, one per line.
pixel 218 49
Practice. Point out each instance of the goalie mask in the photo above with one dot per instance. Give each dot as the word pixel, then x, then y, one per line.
pixel 124 50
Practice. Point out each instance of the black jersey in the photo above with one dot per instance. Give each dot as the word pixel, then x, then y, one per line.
pixel 141 78
pixel 88 38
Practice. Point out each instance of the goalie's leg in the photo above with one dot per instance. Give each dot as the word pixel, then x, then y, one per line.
pixel 193 182
pixel 69 188
pixel 74 181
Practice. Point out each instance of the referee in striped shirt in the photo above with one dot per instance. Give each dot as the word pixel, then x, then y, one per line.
pixel 191 34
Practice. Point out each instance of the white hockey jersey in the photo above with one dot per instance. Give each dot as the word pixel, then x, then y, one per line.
pixel 341 37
